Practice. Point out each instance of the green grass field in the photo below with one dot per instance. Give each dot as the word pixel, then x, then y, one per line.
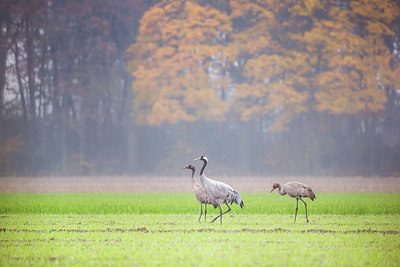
pixel 162 229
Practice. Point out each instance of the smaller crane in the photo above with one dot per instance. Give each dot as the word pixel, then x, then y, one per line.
pixel 221 192
pixel 201 194
pixel 296 190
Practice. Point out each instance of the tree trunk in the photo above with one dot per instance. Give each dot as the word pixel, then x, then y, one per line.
pixel 311 151
pixel 129 124
pixel 64 128
pixel 132 147
pixel 244 146
pixel 30 68
pixel 19 80
pixel 60 111
pixel 372 141
pixel 4 42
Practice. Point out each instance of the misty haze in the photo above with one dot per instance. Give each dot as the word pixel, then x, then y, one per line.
pixel 200 132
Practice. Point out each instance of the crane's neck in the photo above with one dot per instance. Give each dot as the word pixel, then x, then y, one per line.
pixel 193 170
pixel 204 166
pixel 282 192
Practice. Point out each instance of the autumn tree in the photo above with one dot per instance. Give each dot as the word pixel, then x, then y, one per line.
pixel 352 56
pixel 271 83
pixel 176 63
pixel 281 85
pixel 297 68
pixel 315 58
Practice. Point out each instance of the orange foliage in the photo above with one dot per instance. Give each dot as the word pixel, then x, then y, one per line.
pixel 316 56
pixel 179 42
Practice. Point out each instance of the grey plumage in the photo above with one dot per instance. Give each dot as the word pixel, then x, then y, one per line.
pixel 221 192
pixel 296 190
pixel 201 194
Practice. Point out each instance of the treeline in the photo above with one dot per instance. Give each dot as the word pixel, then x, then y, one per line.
pixel 261 87
pixel 65 94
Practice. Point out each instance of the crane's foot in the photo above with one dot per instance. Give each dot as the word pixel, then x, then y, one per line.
pixel 214 220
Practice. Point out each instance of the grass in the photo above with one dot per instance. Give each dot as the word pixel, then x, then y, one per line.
pixel 335 204
pixel 162 229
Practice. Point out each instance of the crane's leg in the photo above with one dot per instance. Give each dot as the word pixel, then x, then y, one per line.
pixel 220 210
pixel 205 213
pixel 297 207
pixel 201 213
pixel 229 209
pixel 305 204
pixel 220 214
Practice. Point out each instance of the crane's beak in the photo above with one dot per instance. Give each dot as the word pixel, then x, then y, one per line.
pixel 185 168
pixel 197 159
pixel 272 190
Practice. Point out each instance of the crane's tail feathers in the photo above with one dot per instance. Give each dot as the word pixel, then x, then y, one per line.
pixel 310 194
pixel 235 197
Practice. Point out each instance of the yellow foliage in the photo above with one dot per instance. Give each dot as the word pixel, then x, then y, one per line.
pixel 151 21
pixel 377 10
pixel 167 111
pixel 344 93
pixel 178 42
pixel 379 28
pixel 184 54
pixel 262 100
pixel 305 7
pixel 251 9
pixel 164 52
pixel 390 77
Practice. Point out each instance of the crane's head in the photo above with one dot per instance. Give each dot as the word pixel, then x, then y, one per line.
pixel 203 158
pixel 190 167
pixel 275 186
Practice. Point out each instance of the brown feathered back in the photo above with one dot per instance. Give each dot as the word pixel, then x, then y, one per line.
pixel 297 190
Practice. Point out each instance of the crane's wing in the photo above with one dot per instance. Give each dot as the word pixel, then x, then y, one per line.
pixel 217 190
pixel 223 191
pixel 297 190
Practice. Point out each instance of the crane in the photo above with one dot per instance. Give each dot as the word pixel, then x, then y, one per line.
pixel 221 192
pixel 296 190
pixel 201 194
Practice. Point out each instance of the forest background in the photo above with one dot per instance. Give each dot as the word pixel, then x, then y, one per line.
pixel 142 87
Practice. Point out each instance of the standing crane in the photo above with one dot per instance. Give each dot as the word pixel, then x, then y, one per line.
pixel 297 191
pixel 201 194
pixel 221 192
